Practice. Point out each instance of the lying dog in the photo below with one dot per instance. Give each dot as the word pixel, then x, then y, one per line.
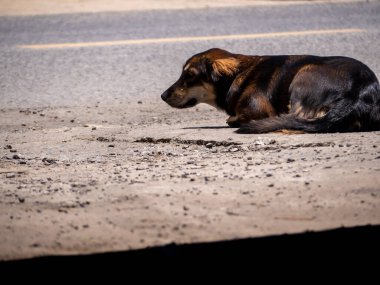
pixel 287 92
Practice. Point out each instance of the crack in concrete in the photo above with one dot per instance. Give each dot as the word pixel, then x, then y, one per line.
pixel 187 142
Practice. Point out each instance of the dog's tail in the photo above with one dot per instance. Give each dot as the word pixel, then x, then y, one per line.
pixel 334 120
pixel 285 122
pixel 347 115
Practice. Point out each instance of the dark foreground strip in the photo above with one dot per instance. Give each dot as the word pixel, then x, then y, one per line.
pixel 351 246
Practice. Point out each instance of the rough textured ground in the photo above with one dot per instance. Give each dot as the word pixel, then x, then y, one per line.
pixel 112 178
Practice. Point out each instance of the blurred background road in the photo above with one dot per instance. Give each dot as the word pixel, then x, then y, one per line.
pixel 121 67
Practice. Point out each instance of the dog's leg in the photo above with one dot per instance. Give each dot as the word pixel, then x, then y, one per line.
pixel 251 107
pixel 233 122
pixel 239 120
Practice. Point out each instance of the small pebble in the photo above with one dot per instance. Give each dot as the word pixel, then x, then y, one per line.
pixel 209 145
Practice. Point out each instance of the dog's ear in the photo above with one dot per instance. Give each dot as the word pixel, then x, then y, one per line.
pixel 224 67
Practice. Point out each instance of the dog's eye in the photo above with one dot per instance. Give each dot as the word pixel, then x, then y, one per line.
pixel 192 72
pixel 190 75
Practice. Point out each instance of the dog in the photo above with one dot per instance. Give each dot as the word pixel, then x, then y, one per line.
pixel 302 93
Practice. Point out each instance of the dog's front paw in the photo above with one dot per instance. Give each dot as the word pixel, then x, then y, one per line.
pixel 233 122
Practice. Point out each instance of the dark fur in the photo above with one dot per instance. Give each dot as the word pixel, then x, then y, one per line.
pixel 293 92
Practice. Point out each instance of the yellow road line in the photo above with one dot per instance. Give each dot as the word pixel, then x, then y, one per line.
pixel 190 39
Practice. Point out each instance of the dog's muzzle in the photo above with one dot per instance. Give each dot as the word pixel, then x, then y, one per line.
pixel 165 95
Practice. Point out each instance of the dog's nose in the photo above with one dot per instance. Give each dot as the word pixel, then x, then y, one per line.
pixel 165 95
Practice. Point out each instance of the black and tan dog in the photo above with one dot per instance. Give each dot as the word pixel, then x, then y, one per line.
pixel 287 92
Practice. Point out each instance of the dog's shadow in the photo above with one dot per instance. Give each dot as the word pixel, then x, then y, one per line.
pixel 207 128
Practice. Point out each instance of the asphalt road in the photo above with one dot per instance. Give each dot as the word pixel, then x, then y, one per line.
pixel 120 73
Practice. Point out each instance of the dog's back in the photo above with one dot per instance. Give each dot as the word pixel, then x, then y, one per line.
pixel 327 94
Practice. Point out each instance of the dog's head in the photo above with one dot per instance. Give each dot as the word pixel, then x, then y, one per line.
pixel 199 79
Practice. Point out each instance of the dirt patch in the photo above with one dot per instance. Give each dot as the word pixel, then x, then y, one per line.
pixel 73 183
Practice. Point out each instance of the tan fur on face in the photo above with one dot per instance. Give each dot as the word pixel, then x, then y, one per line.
pixel 225 66
pixel 204 94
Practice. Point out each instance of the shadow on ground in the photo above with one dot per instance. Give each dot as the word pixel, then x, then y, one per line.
pixel 352 245
pixel 207 128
